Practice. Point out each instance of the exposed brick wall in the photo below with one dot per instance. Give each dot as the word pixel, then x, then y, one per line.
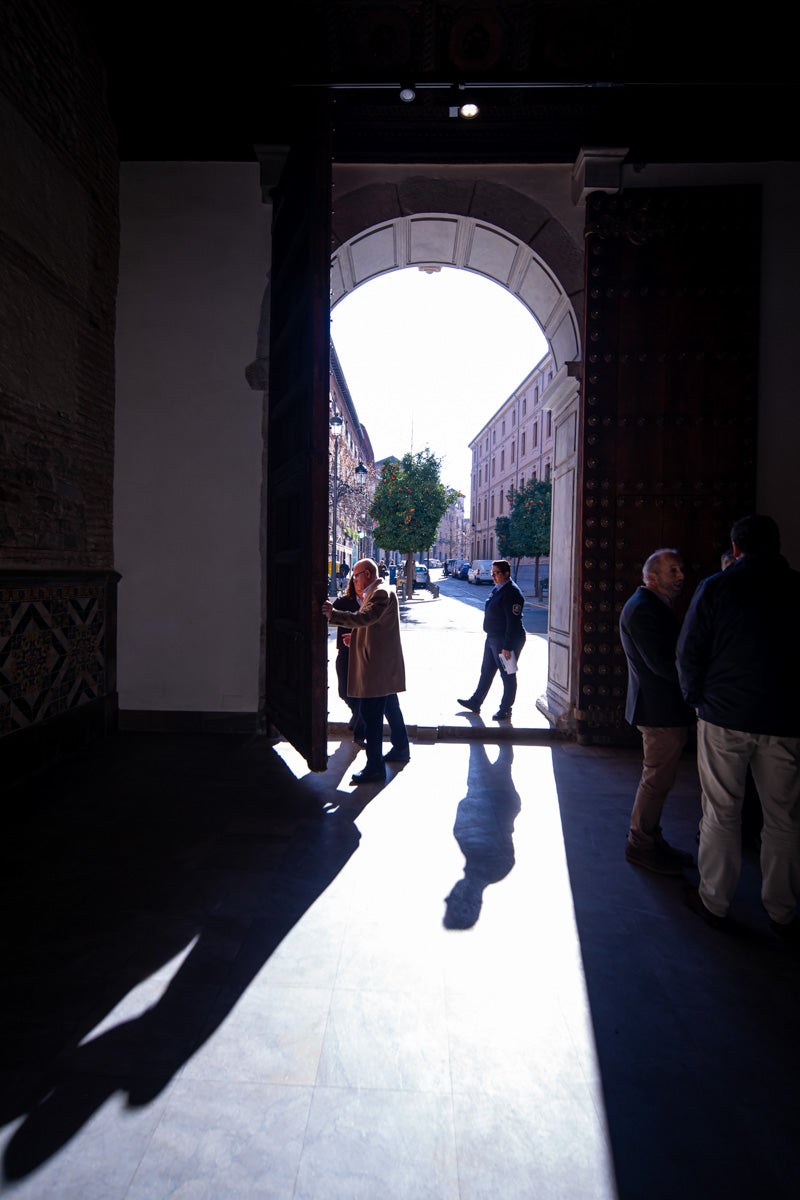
pixel 59 246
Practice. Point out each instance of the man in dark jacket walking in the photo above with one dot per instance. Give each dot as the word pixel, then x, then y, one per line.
pixel 648 629
pixel 505 637
pixel 739 665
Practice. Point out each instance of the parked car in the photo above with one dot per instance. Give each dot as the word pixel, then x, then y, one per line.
pixel 461 571
pixel 480 571
pixel 421 576
pixel 451 566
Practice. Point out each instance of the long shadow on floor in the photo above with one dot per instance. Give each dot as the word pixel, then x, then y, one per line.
pixel 136 852
pixel 484 829
pixel 697 1032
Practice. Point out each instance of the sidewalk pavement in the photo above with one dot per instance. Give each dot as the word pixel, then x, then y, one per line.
pixel 443 642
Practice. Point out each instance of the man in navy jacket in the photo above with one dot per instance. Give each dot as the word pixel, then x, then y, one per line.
pixel 739 666
pixel 648 630
pixel 505 637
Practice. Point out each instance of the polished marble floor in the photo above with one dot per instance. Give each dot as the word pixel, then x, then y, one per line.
pixel 224 977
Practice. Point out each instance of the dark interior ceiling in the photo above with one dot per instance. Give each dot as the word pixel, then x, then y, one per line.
pixel 674 83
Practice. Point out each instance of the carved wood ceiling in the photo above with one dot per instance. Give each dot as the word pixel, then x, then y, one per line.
pixel 683 81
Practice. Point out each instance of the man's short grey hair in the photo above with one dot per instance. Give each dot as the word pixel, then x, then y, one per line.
pixel 367 562
pixel 655 558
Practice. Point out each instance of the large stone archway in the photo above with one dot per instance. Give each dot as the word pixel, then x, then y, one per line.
pixel 444 239
pixel 462 220
pixel 513 240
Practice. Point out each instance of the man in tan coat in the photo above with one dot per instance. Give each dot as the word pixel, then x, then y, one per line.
pixel 376 672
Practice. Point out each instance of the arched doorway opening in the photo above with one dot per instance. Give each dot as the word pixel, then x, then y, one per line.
pixel 476 244
pixel 662 453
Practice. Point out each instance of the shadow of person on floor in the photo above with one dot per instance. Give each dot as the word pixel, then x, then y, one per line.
pixel 198 860
pixel 484 830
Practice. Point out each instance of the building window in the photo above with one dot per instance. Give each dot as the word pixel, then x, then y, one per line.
pixel 549 424
pixel 504 429
pixel 513 419
pixel 536 394
pixel 523 444
pixel 535 434
pixel 491 507
pixel 513 450
pixel 494 437
pixel 502 497
pixel 502 460
pixel 547 472
pixel 494 468
pixel 524 405
pixel 521 482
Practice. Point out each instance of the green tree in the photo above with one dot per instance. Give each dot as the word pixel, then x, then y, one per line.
pixel 409 503
pixel 525 532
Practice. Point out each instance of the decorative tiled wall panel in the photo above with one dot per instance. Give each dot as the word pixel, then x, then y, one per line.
pixel 57 644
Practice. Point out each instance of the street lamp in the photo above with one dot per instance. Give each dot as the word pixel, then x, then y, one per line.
pixel 360 474
pixel 336 424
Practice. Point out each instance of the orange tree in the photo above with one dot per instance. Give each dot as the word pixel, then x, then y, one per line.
pixel 525 532
pixel 409 503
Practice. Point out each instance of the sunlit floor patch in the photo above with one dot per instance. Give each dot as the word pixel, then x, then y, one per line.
pixel 387 1001
pixel 457 908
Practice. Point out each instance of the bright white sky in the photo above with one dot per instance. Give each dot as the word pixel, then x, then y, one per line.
pixel 429 358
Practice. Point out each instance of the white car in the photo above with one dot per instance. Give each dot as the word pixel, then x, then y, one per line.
pixel 480 571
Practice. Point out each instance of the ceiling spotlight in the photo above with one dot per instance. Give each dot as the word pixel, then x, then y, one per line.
pixel 407 94
pixel 459 105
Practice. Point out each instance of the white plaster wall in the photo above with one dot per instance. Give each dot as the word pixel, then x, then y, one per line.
pixel 194 240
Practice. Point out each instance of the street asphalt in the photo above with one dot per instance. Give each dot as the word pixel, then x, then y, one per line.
pixel 443 641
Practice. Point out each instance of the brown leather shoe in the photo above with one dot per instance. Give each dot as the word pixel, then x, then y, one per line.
pixel 653 858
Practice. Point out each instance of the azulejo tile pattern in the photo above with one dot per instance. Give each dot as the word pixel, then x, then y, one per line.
pixel 52 650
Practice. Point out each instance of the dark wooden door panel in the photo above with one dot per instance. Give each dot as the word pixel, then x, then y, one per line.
pixel 297 442
pixel 669 421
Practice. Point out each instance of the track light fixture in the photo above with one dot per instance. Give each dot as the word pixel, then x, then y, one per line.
pixel 461 107
pixel 407 94
pixel 467 110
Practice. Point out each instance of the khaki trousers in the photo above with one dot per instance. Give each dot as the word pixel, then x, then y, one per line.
pixel 722 759
pixel 662 747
